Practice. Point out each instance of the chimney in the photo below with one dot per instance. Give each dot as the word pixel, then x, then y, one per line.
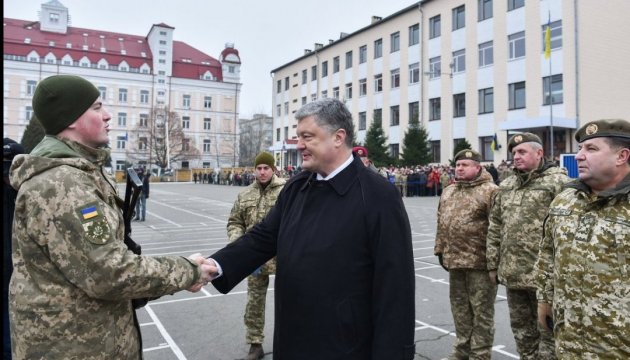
pixel 376 19
pixel 330 41
pixel 307 51
pixel 318 46
pixel 343 35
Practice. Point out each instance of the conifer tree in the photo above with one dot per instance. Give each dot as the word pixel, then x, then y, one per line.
pixel 375 140
pixel 461 145
pixel 33 134
pixel 416 149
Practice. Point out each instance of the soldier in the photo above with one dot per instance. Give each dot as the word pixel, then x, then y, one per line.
pixel 74 278
pixel 584 262
pixel 249 209
pixel 363 155
pixel 460 245
pixel 514 233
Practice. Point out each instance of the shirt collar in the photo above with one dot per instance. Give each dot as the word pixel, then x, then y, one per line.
pixel 337 170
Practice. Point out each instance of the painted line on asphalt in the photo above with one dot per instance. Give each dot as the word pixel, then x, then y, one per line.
pixel 169 340
pixel 190 212
pixel 162 218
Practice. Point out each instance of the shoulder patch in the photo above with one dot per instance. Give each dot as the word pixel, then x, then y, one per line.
pixel 89 212
pixel 95 226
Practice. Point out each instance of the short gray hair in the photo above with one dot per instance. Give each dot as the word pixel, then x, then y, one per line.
pixel 331 114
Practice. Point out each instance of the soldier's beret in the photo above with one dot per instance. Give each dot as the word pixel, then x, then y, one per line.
pixel 523 138
pixel 603 128
pixel 59 100
pixel 360 150
pixel 468 154
pixel 265 158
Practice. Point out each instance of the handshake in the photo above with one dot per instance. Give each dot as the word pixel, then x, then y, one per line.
pixel 209 271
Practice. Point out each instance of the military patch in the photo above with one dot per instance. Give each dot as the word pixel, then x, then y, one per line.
pixel 518 139
pixel 591 129
pixel 469 154
pixel 97 231
pixel 89 212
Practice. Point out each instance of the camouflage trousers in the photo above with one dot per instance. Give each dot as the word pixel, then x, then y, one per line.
pixel 472 297
pixel 255 309
pixel 532 342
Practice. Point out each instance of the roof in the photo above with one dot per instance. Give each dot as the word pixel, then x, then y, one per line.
pixel 188 62
pixel 225 55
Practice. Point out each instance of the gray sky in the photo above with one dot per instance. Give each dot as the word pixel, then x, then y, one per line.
pixel 267 34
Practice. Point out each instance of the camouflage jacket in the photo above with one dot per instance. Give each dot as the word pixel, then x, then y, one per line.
pixel 516 224
pixel 250 207
pixel 462 223
pixel 74 277
pixel 584 270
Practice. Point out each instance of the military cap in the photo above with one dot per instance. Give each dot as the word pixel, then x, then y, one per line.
pixel 360 150
pixel 523 138
pixel 468 154
pixel 603 128
pixel 59 100
pixel 265 158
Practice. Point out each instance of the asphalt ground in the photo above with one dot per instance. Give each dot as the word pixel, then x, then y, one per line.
pixel 185 218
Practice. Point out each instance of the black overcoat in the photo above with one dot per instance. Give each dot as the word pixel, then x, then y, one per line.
pixel 345 279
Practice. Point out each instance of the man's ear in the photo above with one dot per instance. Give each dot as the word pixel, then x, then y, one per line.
pixel 340 136
pixel 622 156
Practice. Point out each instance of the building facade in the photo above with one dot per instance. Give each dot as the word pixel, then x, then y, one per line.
pixel 172 106
pixel 470 69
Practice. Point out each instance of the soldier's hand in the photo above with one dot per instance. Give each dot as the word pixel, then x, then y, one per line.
pixel 493 276
pixel 441 260
pixel 545 316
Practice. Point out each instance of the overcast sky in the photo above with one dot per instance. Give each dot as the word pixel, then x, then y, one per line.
pixel 267 34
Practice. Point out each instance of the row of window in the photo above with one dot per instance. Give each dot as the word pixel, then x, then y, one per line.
pixel 121 143
pixel 145 69
pixel 484 11
pixel 552 92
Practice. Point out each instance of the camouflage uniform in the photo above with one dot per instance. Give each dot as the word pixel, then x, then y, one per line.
pixel 584 271
pixel 74 277
pixel 461 239
pixel 251 206
pixel 514 233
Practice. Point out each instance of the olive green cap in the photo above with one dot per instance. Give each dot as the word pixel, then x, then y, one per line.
pixel 603 128
pixel 265 158
pixel 468 154
pixel 523 138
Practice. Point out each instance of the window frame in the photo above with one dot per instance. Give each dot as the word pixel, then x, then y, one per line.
pixel 363 54
pixel 516 41
pixel 483 11
pixel 394 78
pixel 435 108
pixel 485 51
pixel 459 17
pixel 394 115
pixel 414 34
pixel 378 48
pixel 459 61
pixel 555 79
pixel 394 42
pixel 459 105
pixel 435 27
pixel 512 92
pixel 348 60
pixel 486 100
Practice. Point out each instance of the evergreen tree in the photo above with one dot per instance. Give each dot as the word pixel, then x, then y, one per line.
pixel 416 149
pixel 375 142
pixel 33 134
pixel 461 145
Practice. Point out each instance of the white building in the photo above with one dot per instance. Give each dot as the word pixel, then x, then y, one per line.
pixel 471 69
pixel 138 76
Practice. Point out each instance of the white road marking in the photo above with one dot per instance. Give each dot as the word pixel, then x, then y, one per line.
pixel 169 340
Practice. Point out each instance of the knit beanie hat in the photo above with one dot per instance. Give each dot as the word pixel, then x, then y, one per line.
pixel 265 158
pixel 60 100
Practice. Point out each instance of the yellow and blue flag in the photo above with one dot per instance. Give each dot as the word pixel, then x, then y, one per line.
pixel 89 212
pixel 548 39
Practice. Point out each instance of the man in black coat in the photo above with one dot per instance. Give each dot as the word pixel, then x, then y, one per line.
pixel 345 279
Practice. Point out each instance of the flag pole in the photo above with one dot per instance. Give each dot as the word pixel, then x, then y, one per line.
pixel 548 54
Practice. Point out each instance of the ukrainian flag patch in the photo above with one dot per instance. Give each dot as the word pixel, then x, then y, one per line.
pixel 89 212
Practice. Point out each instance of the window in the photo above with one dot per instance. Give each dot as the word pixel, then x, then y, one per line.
pixel 278 134
pixel 459 17
pixel 206 145
pixel 279 85
pixel 162 42
pixel 304 99
pixel 313 72
pixel 122 95
pixel 395 77
pixel 28 112
pixel 486 54
pixel 324 94
pixel 394 150
pixel 278 110
pixel 304 76
pixel 207 122
pixel 459 105
pixel 517 95
pixel 286 108
pixel 394 115
pixel 435 67
pixel 207 102
pixel 435 150
pixel 378 114
pixel 325 69
pixel 336 92
pixel 162 61
pixel 121 141
pixel 313 97
pixel 186 101
pixel 362 87
pixel 515 4
pixel 348 59
pixel 231 69
pixel 120 164
pixel 516 45
pixel 485 145
pixel 556 35
pixel 162 52
pixel 30 87
pixel 414 34
pixel 435 24
pixel 486 100
pixel 122 119
pixel 378 48
pixel 286 132
pixel 144 120
pixel 435 109
pixel 378 83
pixel 286 82
pixel 53 17
pixel 144 96
pixel 185 147
pixel 163 33
pixel 362 54
pixel 459 61
pixel 142 143
pixel 348 91
pixel 414 111
pixel 362 121
pixel 335 64
pixel 185 122
pixel 394 41
pixel 556 89
pixel 414 73
pixel 485 9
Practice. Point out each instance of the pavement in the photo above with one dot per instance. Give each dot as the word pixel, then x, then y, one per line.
pixel 186 218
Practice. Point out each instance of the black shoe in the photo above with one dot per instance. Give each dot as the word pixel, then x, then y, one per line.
pixel 255 352
pixel 136 219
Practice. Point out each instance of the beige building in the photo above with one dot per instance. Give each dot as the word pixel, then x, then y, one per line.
pixel 148 84
pixel 472 69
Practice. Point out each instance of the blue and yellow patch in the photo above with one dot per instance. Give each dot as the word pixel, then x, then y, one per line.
pixel 89 212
